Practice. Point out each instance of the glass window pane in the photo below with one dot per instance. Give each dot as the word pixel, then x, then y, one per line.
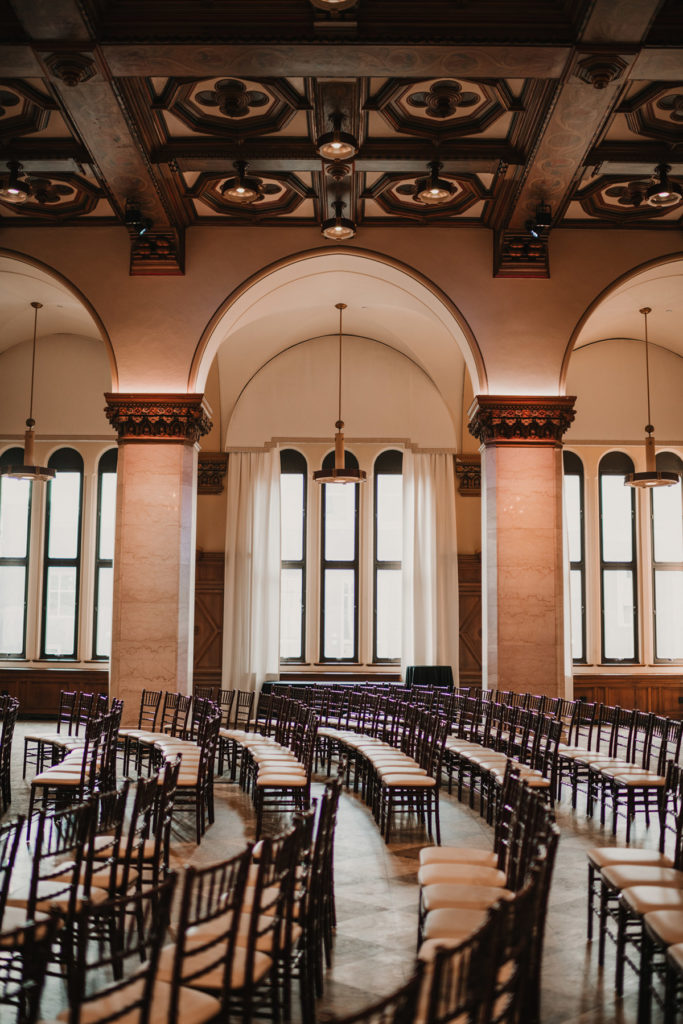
pixel 107 515
pixel 12 596
pixel 340 524
pixel 389 517
pixel 14 501
pixel 291 611
pixel 105 589
pixel 572 506
pixel 617 538
pixel 618 613
pixel 388 621
pixel 576 593
pixel 65 500
pixel 60 616
pixel 338 641
pixel 292 516
pixel 668 614
pixel 668 524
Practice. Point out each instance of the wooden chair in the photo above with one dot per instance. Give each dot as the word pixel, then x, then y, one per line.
pixel 150 701
pixel 243 708
pixel 24 955
pixel 42 740
pixel 398 1008
pixel 10 711
pixel 226 699
pixel 10 834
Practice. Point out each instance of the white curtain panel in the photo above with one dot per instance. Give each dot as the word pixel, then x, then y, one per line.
pixel 430 562
pixel 251 626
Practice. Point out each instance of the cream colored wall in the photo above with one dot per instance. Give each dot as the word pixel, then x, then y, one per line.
pixel 522 327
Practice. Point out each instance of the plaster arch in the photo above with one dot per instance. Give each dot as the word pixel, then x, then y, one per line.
pixel 47 277
pixel 625 296
pixel 325 274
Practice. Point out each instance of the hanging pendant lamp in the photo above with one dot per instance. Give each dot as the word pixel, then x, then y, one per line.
pixel 340 474
pixel 652 477
pixel 29 471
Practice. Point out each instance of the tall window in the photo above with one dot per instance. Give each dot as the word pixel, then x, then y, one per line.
pixel 62 563
pixel 104 554
pixel 667 563
pixel 339 567
pixel 574 513
pixel 293 471
pixel 15 518
pixel 617 560
pixel 388 546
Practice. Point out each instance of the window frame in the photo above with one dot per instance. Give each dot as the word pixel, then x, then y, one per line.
pixel 612 459
pixel 350 462
pixel 15 456
pixel 71 461
pixel 664 461
pixel 294 458
pixel 105 461
pixel 395 457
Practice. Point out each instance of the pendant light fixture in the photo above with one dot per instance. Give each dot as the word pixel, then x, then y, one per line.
pixel 651 477
pixel 338 228
pixel 663 192
pixel 339 474
pixel 337 145
pixel 433 190
pixel 241 189
pixel 29 471
pixel 12 190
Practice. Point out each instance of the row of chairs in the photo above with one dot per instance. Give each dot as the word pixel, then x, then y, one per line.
pixel 76 709
pixel 9 709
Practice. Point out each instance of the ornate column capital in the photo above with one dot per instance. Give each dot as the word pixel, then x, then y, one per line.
pixel 468 472
pixel 521 419
pixel 180 418
pixel 211 471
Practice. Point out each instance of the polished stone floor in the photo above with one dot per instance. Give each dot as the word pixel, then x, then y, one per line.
pixel 377 903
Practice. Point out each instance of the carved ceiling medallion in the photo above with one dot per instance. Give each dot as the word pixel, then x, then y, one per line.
pixel 445 98
pixel 657 112
pixel 23 110
pixel 614 198
pixel 57 196
pixel 395 194
pixel 235 107
pixel 442 108
pixel 282 193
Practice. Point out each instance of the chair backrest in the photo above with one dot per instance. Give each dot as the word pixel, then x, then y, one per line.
pixel 67 708
pixel 60 835
pixel 149 709
pixel 168 711
pixel 137 926
pixel 182 715
pixel 225 702
pixel 205 692
pixel 243 708
pixel 10 834
pixel 163 817
pixel 401 1007
pixel 459 983
pixel 82 712
pixel 26 952
pixel 108 821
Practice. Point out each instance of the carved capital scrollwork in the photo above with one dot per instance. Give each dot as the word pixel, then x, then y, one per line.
pixel 71 68
pixel 181 418
pixel 468 472
pixel 211 472
pixel 531 420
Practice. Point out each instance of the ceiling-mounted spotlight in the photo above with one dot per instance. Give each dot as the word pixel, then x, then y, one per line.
pixel 433 190
pixel 337 145
pixel 12 190
pixel 338 228
pixel 134 219
pixel 334 5
pixel 663 192
pixel 539 225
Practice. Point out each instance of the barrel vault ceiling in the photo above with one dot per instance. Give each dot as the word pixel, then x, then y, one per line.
pixel 568 102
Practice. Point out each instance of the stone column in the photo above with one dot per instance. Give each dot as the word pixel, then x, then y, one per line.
pixel 522 540
pixel 156 500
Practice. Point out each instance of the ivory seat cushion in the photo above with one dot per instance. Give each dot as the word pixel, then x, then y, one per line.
pixel 478 897
pixel 605 856
pixel 643 899
pixel 212 979
pixel 623 876
pixel 52 895
pixel 458 855
pixel 667 925
pixel 15 917
pixel 194 1007
pixel 636 780
pixel 287 780
pixel 453 923
pixel 460 874
pixel 414 781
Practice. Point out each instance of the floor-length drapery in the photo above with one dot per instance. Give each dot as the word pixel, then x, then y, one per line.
pixel 430 623
pixel 251 633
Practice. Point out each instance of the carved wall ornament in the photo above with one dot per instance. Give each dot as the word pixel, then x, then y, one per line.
pixel 71 68
pixel 600 69
pixel 158 253
pixel 523 419
pixel 468 472
pixel 518 255
pixel 181 418
pixel 211 472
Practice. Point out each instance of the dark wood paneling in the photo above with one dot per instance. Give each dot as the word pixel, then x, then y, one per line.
pixel 469 596
pixel 208 618
pixel 38 688
pixel 659 693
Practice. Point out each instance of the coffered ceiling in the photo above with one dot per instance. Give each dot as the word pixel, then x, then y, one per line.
pixel 569 102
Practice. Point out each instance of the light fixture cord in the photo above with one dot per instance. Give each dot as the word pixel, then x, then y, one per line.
pixel 36 307
pixel 647 371
pixel 340 359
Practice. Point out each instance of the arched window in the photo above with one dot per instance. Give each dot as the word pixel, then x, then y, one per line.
pixel 667 562
pixel 388 548
pixel 619 608
pixel 62 562
pixel 293 481
pixel 15 519
pixel 339 567
pixel 574 513
pixel 104 553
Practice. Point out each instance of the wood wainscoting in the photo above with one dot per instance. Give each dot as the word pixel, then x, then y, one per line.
pixel 662 694
pixel 37 687
pixel 469 600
